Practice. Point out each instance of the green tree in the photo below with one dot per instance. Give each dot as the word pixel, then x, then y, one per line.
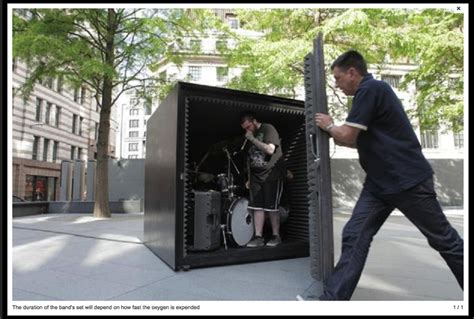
pixel 108 49
pixel 431 39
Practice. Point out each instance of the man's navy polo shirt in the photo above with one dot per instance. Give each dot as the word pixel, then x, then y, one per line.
pixel 389 151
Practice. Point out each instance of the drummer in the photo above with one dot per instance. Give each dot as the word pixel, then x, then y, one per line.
pixel 266 174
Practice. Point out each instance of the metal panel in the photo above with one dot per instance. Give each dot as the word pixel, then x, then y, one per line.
pixel 65 192
pixel 79 179
pixel 161 180
pixel 297 190
pixel 319 173
pixel 91 179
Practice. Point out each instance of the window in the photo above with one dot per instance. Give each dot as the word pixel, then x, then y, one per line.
pixel 234 23
pixel 45 149
pixel 81 119
pixel 133 134
pixel 147 108
pixel 222 73
pixel 392 80
pixel 58 116
pixel 40 188
pixel 55 151
pixel 74 124
pixel 39 103
pixel 60 83
pixel 29 187
pixel 134 111
pixel 194 73
pixel 144 122
pixel 83 94
pixel 133 123
pixel 79 153
pixel 96 131
pixel 459 140
pixel 73 152
pixel 36 140
pixel 51 189
pixel 36 188
pixel 429 138
pixel 133 146
pixel 132 156
pixel 48 112
pixel 49 82
pixel 232 20
pixel 195 45
pixel 76 94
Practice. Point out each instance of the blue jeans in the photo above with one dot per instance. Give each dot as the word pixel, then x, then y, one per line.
pixel 420 205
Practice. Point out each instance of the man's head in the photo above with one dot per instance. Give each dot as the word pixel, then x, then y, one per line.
pixel 348 70
pixel 248 121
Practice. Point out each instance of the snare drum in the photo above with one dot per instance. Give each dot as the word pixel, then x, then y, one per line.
pixel 239 222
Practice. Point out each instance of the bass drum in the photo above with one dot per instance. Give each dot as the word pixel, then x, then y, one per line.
pixel 239 222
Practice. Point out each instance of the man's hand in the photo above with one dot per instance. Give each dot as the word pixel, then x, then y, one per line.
pixel 323 121
pixel 249 135
pixel 343 135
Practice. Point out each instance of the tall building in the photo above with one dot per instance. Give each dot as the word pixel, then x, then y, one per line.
pixel 55 123
pixel 132 121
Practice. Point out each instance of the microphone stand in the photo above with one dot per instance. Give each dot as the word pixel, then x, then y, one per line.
pixel 229 159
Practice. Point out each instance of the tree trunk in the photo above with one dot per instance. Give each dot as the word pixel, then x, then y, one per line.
pixel 101 206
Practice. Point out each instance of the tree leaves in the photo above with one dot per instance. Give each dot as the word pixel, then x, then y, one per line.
pixel 108 49
pixel 430 39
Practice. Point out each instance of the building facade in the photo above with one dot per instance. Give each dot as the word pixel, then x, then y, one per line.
pixel 55 123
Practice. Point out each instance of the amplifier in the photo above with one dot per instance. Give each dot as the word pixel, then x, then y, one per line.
pixel 207 212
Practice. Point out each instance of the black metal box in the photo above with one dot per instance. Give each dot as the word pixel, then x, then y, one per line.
pixel 190 138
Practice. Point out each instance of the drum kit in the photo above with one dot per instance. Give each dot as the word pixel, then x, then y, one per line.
pixel 236 221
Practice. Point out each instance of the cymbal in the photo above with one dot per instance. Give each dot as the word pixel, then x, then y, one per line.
pixel 203 176
pixel 197 172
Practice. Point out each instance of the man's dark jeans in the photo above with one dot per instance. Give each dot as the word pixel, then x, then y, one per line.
pixel 420 205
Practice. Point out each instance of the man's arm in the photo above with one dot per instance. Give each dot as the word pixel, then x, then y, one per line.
pixel 343 135
pixel 266 148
